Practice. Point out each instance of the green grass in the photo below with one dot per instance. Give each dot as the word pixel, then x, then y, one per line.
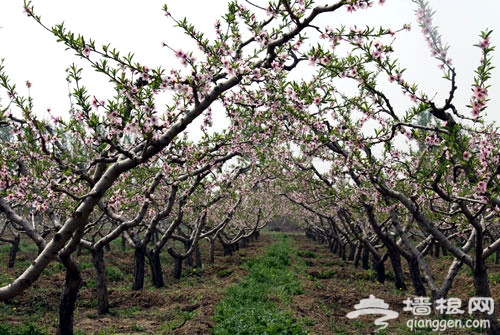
pixel 29 329
pixel 114 273
pixel 250 307
pixel 306 254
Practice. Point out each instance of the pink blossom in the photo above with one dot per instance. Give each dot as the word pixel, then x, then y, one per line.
pixel 95 103
pixel 180 54
pixel 480 92
pixel 467 155
pixel 481 187
pixel 86 51
pixel 377 54
pixel 325 60
pixel 485 43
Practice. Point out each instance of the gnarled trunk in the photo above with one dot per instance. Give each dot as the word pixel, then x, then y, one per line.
pixel 378 266
pixel 359 251
pixel 177 267
pixel 416 278
pixel 13 251
pixel 366 258
pixel 68 296
pixel 211 251
pixel 197 256
pixel 482 287
pixel 101 281
pixel 395 257
pixel 139 263
pixel 156 270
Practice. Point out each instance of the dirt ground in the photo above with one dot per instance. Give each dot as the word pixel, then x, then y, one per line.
pixel 331 289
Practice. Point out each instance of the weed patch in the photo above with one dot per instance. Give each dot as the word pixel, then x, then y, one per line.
pixel 29 329
pixel 251 306
pixel 306 254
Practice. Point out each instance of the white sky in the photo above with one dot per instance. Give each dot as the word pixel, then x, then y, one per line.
pixel 33 54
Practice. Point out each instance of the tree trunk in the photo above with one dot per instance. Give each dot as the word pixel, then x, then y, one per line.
pixel 13 251
pixel 366 258
pixel 352 251
pixel 177 267
pixel 68 297
pixel 437 249
pixel 139 264
pixel 333 246
pixel 378 266
pixel 395 257
pixel 197 256
pixel 156 271
pixel 124 242
pixel 482 288
pixel 228 249
pixel 189 258
pixel 101 281
pixel 444 250
pixel 256 235
pixel 211 252
pixel 416 278
pixel 359 250
pixel 343 251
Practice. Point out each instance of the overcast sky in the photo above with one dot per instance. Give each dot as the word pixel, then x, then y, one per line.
pixel 31 53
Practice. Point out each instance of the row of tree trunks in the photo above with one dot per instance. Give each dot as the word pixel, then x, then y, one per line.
pixel 360 254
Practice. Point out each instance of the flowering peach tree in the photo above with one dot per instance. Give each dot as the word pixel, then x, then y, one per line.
pixel 437 180
pixel 125 165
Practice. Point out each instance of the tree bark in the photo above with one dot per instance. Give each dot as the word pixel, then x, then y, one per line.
pixel 101 281
pixel 482 288
pixel 416 278
pixel 211 251
pixel 359 251
pixel 365 258
pixel 228 249
pixel 139 264
pixel 68 297
pixel 13 251
pixel 197 256
pixel 156 270
pixel 189 258
pixel 395 257
pixel 352 251
pixel 378 266
pixel 343 253
pixel 177 267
